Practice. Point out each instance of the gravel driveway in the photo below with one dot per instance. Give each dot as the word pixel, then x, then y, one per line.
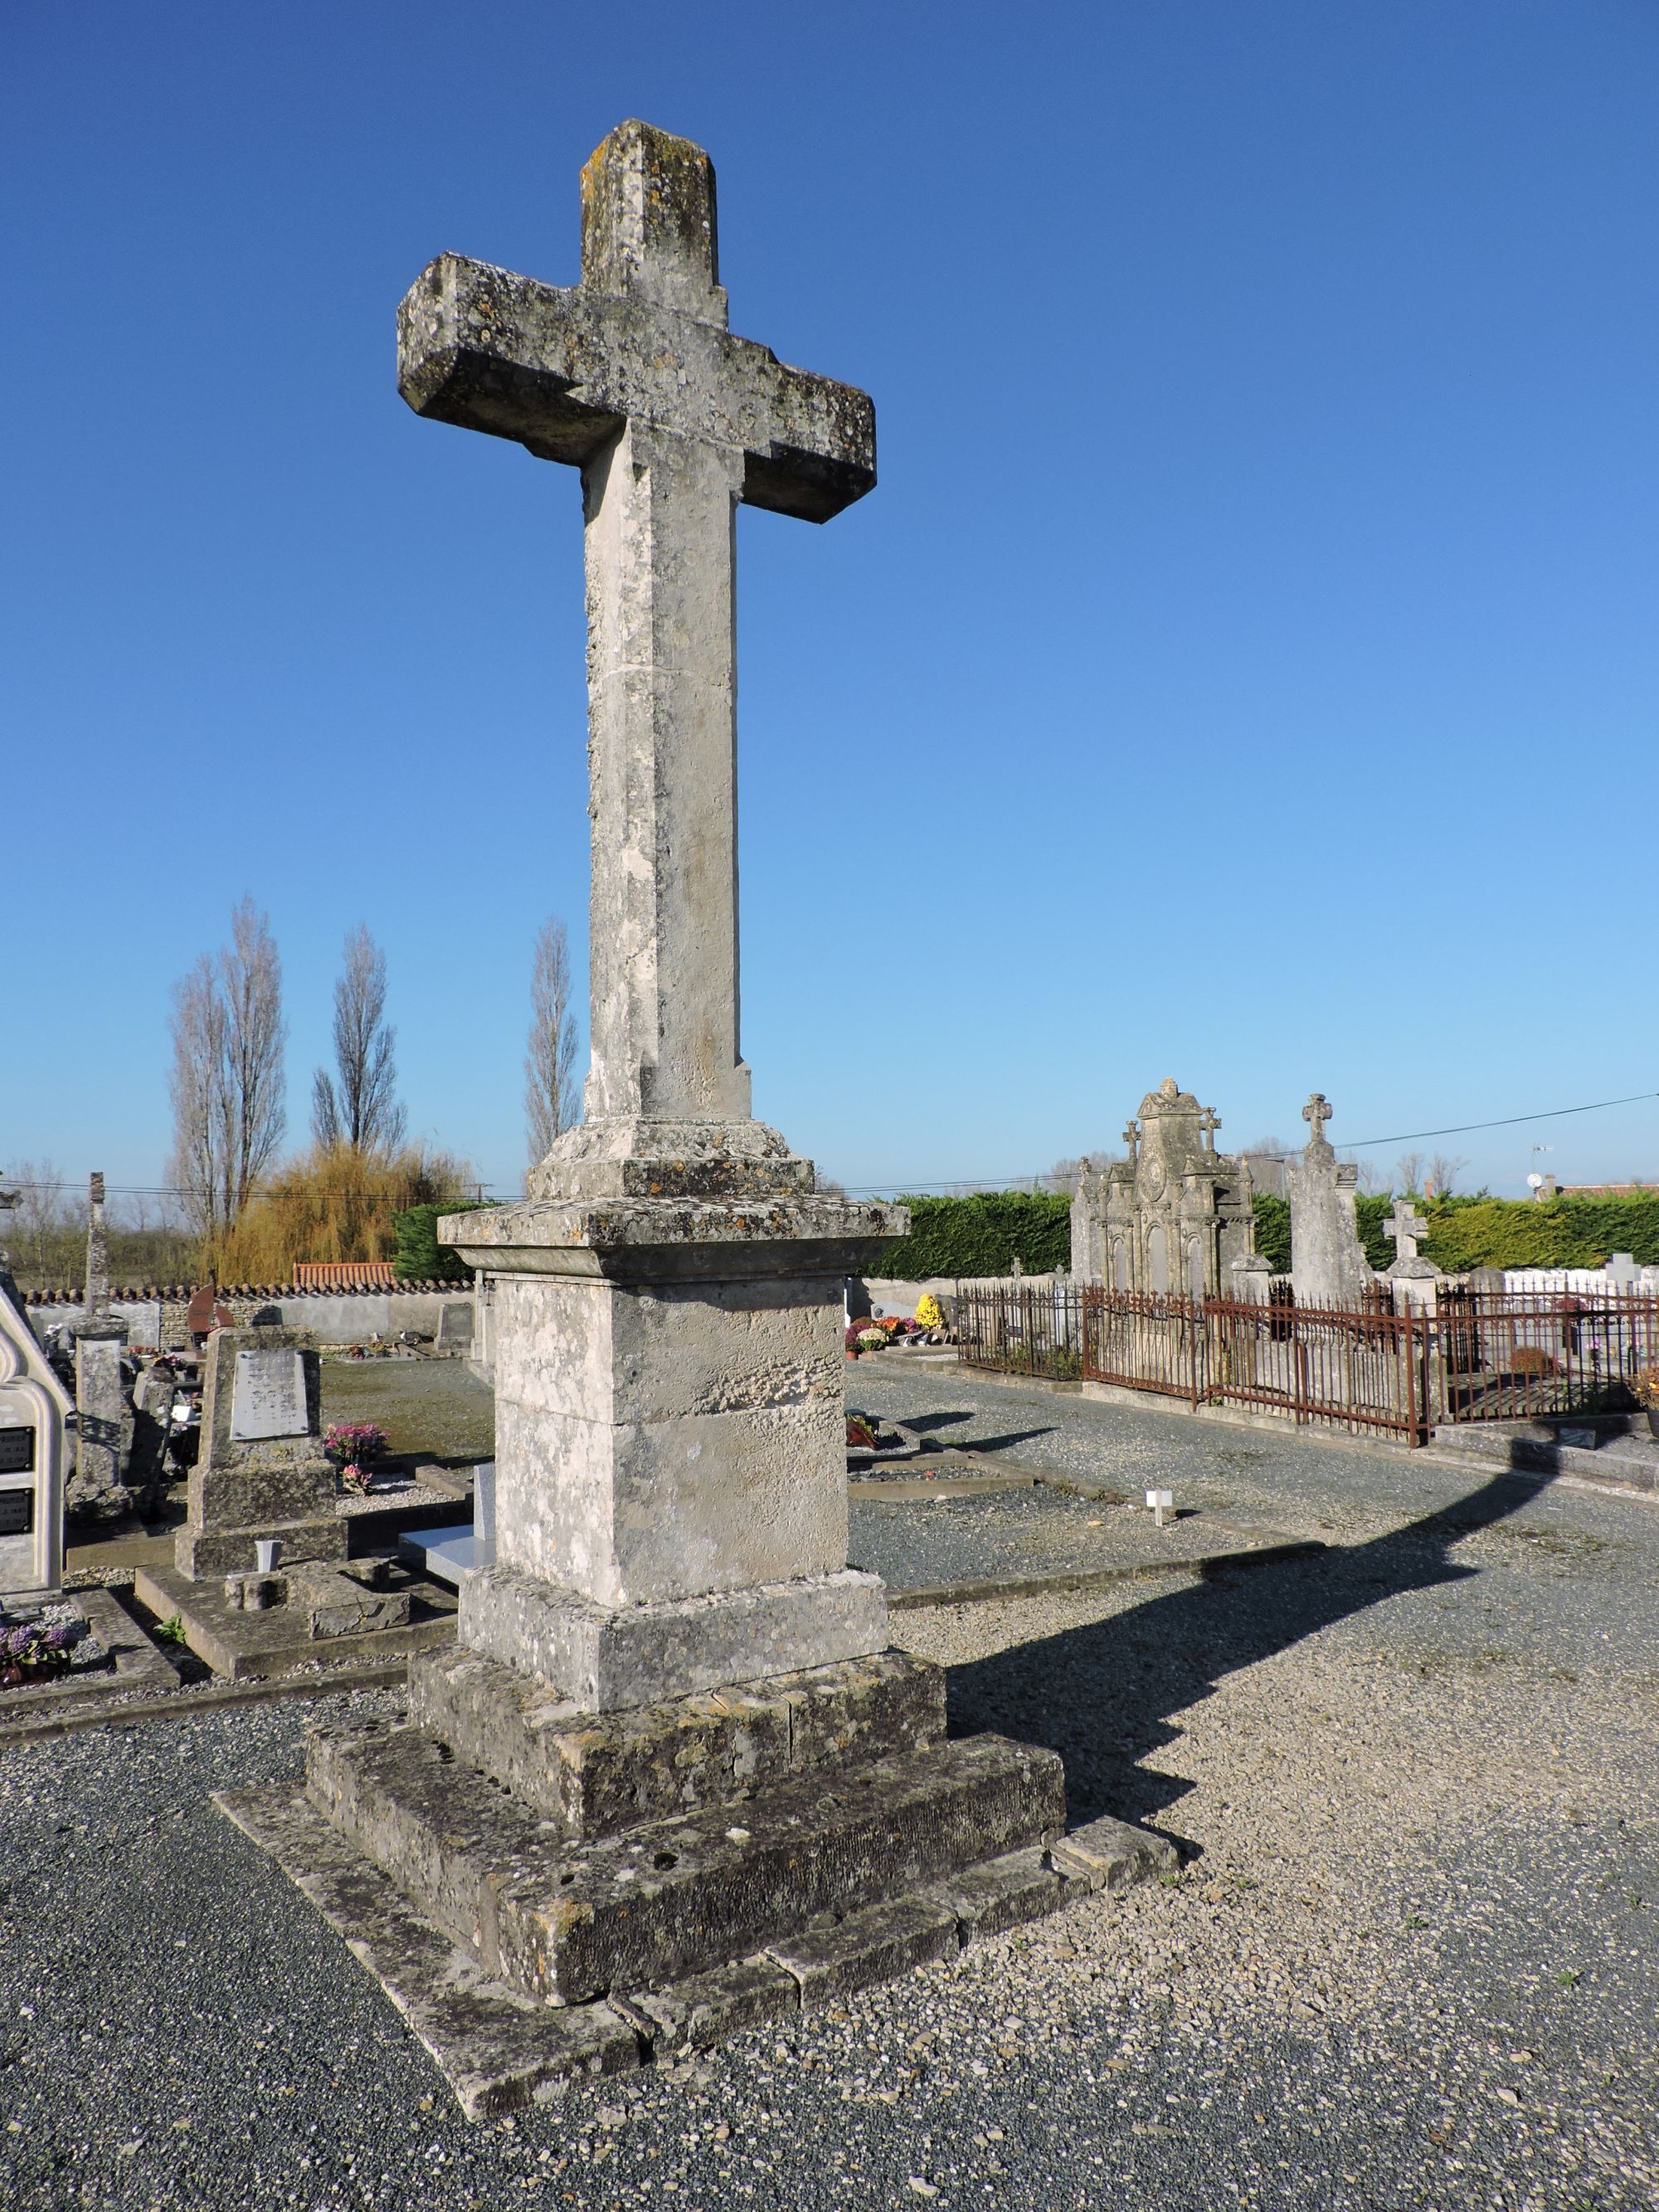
pixel 1413 1961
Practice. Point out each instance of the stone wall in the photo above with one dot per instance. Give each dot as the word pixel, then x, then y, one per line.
pixel 155 1315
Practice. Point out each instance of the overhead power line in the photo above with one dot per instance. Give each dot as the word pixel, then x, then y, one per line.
pixel 1508 1121
pixel 968 1183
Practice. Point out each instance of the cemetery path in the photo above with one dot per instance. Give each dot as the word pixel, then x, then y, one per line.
pixel 1413 1961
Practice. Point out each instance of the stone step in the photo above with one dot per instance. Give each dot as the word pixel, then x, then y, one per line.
pixel 499 2052
pixel 596 1774
pixel 568 1922
pixel 1537 1451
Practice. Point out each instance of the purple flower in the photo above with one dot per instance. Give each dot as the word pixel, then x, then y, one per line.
pixel 19 1641
pixel 57 1639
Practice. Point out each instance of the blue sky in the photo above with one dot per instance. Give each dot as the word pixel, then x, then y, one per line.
pixel 1245 668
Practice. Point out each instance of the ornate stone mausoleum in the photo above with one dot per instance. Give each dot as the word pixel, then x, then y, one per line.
pixel 1176 1215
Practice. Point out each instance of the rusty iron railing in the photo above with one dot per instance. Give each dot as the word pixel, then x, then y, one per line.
pixel 1481 1356
pixel 1515 1355
pixel 1022 1328
pixel 1359 1370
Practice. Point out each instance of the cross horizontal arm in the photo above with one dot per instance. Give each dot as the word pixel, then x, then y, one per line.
pixel 561 370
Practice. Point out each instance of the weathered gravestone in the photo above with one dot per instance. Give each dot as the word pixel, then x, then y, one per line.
pixel 1173 1216
pixel 673 1782
pixel 96 1491
pixel 261 1477
pixel 34 1409
pixel 1328 1265
pixel 1416 1277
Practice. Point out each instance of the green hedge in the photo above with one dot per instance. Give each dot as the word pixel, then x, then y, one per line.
pixel 1490 1232
pixel 1273 1231
pixel 979 1236
pixel 1564 1233
pixel 420 1257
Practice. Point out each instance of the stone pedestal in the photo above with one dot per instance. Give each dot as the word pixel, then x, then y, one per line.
pixel 670 1444
pixel 672 1772
pixel 96 1491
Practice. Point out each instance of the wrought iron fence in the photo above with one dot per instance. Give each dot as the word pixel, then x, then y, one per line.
pixel 1022 1328
pixel 1510 1356
pixel 1481 1356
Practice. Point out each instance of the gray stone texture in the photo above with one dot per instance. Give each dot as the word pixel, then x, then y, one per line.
pixel 96 1491
pixel 1328 1265
pixel 570 1922
pixel 603 1657
pixel 1172 1218
pixel 239 1491
pixel 594 1777
pixel 638 1398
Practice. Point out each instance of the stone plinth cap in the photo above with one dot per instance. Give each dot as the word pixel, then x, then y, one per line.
pixel 778 1235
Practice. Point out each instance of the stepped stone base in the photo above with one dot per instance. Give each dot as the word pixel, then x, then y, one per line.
pixel 500 2051
pixel 545 1892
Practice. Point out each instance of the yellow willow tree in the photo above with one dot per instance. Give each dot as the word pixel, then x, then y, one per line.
pixel 335 1203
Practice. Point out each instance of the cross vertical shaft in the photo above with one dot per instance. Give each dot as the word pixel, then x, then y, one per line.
pixel 663 761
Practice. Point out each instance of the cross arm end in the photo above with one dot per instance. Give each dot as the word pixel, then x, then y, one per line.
pixel 488 350
pixel 815 452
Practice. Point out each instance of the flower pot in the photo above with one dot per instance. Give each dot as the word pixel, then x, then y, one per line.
pixel 1653 1420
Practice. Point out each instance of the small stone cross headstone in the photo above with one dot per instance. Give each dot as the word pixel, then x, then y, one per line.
pixel 1318 1111
pixel 1407 1229
pixel 1622 1271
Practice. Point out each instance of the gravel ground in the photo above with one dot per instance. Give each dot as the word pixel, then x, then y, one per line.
pixel 919 1544
pixel 1412 1960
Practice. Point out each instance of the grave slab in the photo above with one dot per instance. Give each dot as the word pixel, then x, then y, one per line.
pixel 134 1665
pixel 329 1616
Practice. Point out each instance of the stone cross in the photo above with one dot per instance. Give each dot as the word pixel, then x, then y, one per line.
pixel 632 376
pixel 1132 1138
pixel 1622 1271
pixel 96 1491
pixel 97 1248
pixel 1318 1111
pixel 1208 1122
pixel 1407 1229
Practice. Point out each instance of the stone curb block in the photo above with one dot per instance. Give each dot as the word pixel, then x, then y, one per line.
pixel 1108 1854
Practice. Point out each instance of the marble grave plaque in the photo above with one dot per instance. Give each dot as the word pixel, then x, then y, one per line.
pixel 268 1397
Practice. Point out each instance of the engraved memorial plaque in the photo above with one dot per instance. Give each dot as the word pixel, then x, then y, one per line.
pixel 268 1398
pixel 17 1451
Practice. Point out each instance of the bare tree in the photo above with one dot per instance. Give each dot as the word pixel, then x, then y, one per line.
pixel 40 1228
pixel 358 1106
pixel 1371 1179
pixel 1062 1177
pixel 1408 1174
pixel 226 1084
pixel 1441 1173
pixel 550 1065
